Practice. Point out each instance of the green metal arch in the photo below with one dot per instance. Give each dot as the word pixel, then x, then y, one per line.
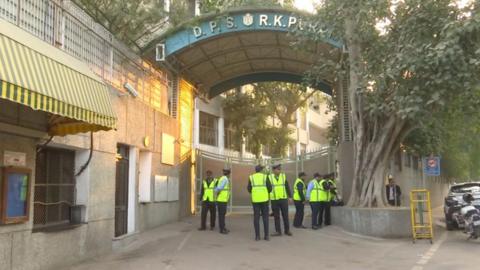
pixel 229 84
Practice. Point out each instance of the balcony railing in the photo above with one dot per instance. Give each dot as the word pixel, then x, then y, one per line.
pixel 67 27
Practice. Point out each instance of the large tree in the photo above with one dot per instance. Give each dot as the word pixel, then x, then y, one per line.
pixel 265 114
pixel 407 62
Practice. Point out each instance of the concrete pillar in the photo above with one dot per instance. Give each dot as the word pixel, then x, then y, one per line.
pixel 196 126
pixel 221 135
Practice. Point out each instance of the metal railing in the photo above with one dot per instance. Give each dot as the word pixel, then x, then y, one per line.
pixel 64 25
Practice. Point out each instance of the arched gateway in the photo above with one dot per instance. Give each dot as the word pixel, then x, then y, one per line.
pixel 221 51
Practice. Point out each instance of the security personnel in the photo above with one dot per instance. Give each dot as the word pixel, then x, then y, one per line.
pixel 279 199
pixel 324 211
pixel 332 194
pixel 299 190
pixel 222 190
pixel 207 196
pixel 259 187
pixel 313 197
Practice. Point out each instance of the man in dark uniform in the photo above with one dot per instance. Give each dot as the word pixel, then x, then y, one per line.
pixel 259 187
pixel 222 190
pixel 299 190
pixel 279 199
pixel 207 196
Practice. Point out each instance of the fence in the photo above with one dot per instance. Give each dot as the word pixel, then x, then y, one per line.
pixel 67 27
pixel 322 161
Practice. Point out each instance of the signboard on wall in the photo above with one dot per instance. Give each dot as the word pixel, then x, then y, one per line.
pixel 172 188
pixel 15 194
pixel 16 159
pixel 161 188
pixel 432 166
pixel 168 149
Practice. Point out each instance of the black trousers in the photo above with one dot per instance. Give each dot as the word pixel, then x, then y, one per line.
pixel 222 210
pixel 299 213
pixel 277 206
pixel 315 211
pixel 208 207
pixel 260 209
pixel 324 213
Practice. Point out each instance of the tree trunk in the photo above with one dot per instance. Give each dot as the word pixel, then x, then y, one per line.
pixel 376 138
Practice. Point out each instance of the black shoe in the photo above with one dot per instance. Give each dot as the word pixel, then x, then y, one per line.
pixel 303 227
pixel 315 227
pixel 201 229
pixel 224 231
pixel 277 234
pixel 266 238
pixel 288 233
pixel 257 238
pixel 327 224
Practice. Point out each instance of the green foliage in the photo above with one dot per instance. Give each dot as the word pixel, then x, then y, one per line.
pixel 264 115
pixel 128 20
pixel 208 6
pixel 420 68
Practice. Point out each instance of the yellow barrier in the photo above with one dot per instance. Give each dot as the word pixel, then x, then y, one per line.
pixel 421 215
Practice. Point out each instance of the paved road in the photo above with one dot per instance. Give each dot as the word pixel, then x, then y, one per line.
pixel 180 246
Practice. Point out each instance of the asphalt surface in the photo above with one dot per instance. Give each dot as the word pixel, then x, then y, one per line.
pixel 181 246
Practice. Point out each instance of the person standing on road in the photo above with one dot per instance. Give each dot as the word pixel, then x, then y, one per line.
pixel 324 199
pixel 332 193
pixel 259 187
pixel 299 190
pixel 279 199
pixel 207 196
pixel 393 192
pixel 223 195
pixel 313 197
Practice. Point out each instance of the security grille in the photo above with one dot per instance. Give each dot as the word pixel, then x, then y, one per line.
pixel 54 187
pixel 208 129
pixel 346 119
pixel 173 96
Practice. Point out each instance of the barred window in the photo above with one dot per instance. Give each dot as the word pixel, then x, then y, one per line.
pixel 208 129
pixel 54 187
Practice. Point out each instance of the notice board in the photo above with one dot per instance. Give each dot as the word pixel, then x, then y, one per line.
pixel 15 190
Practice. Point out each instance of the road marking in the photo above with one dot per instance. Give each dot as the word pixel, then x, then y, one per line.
pixel 430 253
pixel 184 241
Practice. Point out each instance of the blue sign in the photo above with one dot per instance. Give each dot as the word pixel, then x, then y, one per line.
pixel 431 166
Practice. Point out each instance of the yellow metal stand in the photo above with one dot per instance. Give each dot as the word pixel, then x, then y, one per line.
pixel 421 214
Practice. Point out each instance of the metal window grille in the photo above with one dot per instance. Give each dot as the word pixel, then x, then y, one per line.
pixel 54 187
pixel 208 129
pixel 173 96
pixel 346 119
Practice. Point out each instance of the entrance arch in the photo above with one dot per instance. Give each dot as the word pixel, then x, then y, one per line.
pixel 222 51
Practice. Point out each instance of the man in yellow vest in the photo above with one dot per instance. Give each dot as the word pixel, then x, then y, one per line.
pixel 259 187
pixel 222 190
pixel 279 199
pixel 313 197
pixel 207 196
pixel 332 194
pixel 299 190
pixel 324 211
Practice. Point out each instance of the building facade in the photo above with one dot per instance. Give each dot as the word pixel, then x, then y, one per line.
pixel 213 133
pixel 91 155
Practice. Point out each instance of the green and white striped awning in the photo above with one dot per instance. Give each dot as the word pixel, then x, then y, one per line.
pixel 37 80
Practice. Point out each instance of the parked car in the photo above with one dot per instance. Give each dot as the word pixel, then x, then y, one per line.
pixel 454 203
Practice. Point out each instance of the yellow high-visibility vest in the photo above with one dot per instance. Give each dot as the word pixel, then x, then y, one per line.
pixel 296 193
pixel 208 194
pixel 278 187
pixel 259 187
pixel 224 194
